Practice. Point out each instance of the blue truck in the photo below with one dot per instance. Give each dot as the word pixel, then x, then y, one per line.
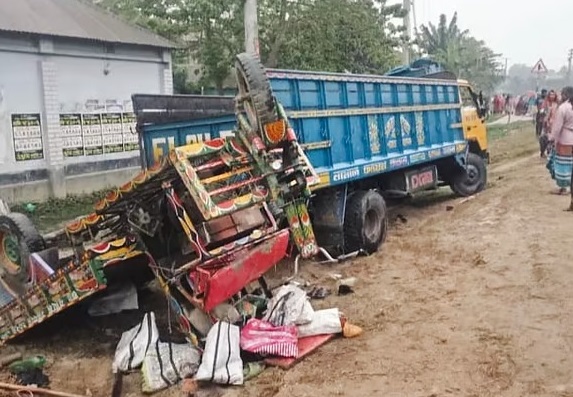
pixel 369 139
pixel 297 159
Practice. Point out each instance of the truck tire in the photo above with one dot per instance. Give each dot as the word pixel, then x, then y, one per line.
pixel 365 222
pixel 255 89
pixel 18 239
pixel 474 180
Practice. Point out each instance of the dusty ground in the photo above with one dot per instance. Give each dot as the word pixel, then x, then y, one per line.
pixel 467 298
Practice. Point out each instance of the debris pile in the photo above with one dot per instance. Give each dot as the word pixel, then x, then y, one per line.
pixel 252 334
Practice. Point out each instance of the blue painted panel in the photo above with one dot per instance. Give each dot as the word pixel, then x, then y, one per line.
pixel 371 124
pixel 159 139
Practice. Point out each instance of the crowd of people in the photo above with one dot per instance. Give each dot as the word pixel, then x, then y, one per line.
pixel 554 129
pixel 519 105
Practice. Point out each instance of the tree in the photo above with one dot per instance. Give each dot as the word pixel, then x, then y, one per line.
pixel 460 53
pixel 329 35
pixel 339 35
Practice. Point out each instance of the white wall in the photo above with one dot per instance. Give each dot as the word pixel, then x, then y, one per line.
pixel 20 92
pixel 83 79
pixel 51 76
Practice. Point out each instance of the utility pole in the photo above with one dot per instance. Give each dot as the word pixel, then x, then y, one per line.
pixel 407 4
pixel 569 59
pixel 505 69
pixel 251 27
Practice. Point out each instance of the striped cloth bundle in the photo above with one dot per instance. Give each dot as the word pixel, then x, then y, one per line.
pixel 261 337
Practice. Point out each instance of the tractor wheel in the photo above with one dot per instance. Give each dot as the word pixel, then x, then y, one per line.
pixel 19 238
pixel 255 91
pixel 365 222
pixel 473 179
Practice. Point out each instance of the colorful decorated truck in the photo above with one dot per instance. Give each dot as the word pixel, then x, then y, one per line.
pixel 367 137
pixel 299 162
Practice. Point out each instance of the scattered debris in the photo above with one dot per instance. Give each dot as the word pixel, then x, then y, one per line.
pixel 401 218
pixel 29 371
pixel 318 293
pixel 252 370
pixel 35 391
pixel 115 300
pixel 470 198
pixel 345 286
pixel 350 330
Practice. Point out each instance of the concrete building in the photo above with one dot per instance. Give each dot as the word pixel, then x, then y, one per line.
pixel 67 73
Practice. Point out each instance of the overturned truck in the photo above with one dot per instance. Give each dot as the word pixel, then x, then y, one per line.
pixel 209 217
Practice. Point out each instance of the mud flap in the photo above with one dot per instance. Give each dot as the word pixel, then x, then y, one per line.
pixel 328 211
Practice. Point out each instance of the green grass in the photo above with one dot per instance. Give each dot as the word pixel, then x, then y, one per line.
pixel 498 131
pixel 50 215
pixel 494 117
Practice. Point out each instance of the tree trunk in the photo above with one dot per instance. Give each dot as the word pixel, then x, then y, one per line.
pixel 273 59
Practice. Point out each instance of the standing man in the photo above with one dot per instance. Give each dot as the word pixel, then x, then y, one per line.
pixel 562 136
pixel 540 115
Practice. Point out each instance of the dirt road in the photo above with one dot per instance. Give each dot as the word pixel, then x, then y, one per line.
pixel 475 301
pixel 465 299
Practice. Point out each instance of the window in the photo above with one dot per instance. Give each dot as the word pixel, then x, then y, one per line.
pixel 466 96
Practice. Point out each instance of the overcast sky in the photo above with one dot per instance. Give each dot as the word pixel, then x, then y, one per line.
pixel 523 30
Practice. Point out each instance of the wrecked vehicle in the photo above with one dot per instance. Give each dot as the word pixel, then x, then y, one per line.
pixel 225 196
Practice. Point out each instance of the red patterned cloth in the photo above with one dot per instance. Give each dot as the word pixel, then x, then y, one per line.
pixel 263 338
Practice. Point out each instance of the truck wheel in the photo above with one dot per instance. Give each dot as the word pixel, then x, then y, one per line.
pixel 255 91
pixel 365 222
pixel 472 180
pixel 18 239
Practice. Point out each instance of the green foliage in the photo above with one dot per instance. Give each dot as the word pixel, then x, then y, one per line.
pixel 460 53
pixel 51 214
pixel 329 35
pixel 341 35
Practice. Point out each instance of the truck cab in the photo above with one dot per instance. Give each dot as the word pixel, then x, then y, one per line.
pixel 473 119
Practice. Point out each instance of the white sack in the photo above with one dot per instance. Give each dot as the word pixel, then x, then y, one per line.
pixel 134 344
pixel 221 362
pixel 323 322
pixel 289 306
pixel 165 364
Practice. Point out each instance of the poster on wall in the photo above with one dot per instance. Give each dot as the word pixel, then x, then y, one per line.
pixel 112 132
pixel 130 137
pixel 71 128
pixel 91 133
pixel 27 135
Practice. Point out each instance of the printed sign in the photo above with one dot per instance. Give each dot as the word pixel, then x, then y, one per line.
pixel 130 137
pixel 91 132
pixel 112 132
pixel 71 127
pixel 27 136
